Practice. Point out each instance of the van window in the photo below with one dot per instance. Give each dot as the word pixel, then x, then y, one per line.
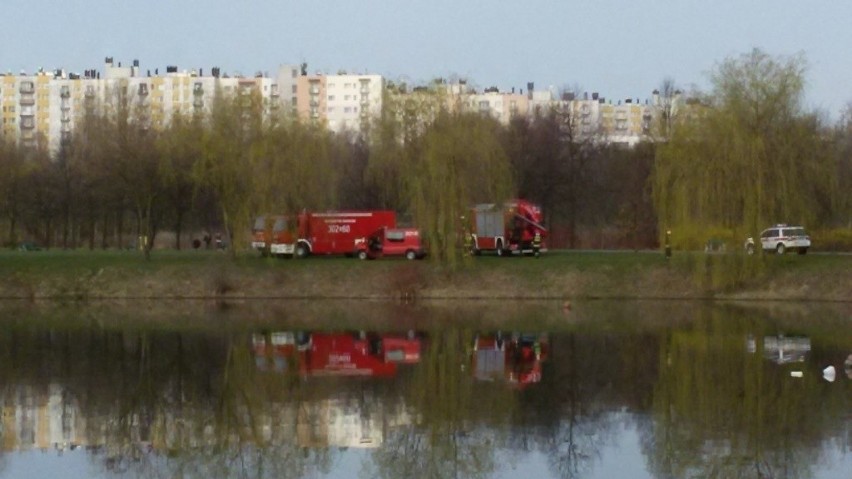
pixel 395 235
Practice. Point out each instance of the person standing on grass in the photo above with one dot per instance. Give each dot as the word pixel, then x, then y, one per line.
pixel 536 244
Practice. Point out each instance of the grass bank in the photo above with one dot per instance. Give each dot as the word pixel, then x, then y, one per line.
pixel 89 275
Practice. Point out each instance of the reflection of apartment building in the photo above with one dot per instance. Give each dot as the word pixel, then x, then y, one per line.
pixel 48 417
pixel 340 422
pixel 34 418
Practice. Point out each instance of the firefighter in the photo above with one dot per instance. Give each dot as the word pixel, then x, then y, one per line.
pixel 536 244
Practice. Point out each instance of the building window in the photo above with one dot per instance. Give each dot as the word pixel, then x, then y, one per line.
pixel 293 89
pixel 331 98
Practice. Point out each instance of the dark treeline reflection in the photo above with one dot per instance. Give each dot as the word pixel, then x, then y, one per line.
pixel 454 393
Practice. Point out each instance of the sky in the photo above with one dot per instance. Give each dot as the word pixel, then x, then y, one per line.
pixel 619 48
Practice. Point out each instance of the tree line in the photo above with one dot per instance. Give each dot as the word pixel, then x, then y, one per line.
pixel 743 155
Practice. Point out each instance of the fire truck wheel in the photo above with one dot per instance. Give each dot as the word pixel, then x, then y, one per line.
pixel 410 255
pixel 302 251
pixel 362 255
pixel 500 251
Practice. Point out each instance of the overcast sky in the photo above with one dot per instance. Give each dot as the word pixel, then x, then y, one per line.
pixel 619 48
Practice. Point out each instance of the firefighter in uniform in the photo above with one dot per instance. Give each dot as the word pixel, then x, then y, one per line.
pixel 536 244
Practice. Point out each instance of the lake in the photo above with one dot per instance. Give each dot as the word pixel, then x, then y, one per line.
pixel 480 389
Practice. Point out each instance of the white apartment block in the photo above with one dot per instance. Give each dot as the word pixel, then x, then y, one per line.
pixel 342 102
pixel 43 108
pixel 500 106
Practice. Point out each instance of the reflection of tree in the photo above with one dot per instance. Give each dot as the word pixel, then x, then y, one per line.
pixel 722 412
pixel 164 404
pixel 579 427
pixel 192 402
pixel 446 442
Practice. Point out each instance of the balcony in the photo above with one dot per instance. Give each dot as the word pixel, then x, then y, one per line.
pixel 64 107
pixel 90 92
pixel 197 89
pixel 65 118
pixel 27 123
pixel 27 87
pixel 143 89
pixel 28 101
pixel 198 103
pixel 65 92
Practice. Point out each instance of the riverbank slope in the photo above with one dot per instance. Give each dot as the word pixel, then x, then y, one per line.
pixel 564 275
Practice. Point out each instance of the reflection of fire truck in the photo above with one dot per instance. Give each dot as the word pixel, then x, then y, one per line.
pixel 336 354
pixel 515 359
pixel 507 228
pixel 335 232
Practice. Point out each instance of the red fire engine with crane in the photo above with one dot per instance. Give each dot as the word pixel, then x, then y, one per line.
pixel 508 228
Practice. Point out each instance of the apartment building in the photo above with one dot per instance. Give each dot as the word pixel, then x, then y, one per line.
pixel 42 108
pixel 499 105
pixel 343 102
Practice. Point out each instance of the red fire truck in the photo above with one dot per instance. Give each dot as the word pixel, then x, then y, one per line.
pixel 385 241
pixel 337 232
pixel 333 232
pixel 281 234
pixel 506 228
pixel 336 353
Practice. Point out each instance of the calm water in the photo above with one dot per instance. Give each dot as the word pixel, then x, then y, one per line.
pixel 358 389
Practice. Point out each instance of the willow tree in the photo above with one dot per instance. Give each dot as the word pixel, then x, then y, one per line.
pixel 844 167
pixel 180 145
pixel 13 169
pixel 460 162
pixel 746 156
pixel 298 163
pixel 394 145
pixel 227 164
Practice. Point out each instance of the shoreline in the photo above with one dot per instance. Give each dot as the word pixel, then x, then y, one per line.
pixel 563 276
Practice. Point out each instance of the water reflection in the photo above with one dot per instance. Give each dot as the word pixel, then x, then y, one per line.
pixel 515 358
pixel 451 393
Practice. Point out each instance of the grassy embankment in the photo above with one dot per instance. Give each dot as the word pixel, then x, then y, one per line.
pixel 81 275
